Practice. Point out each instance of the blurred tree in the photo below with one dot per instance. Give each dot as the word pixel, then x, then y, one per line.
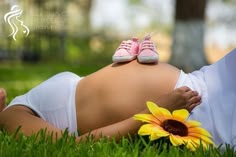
pixel 32 47
pixel 188 36
pixel 85 7
pixel 54 30
pixel 63 32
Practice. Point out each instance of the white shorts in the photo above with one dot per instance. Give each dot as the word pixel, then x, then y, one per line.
pixel 53 100
pixel 216 84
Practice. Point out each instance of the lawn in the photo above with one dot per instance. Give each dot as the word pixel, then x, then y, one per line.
pixel 18 78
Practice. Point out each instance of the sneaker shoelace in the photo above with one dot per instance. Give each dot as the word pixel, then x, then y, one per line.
pixel 147 45
pixel 125 45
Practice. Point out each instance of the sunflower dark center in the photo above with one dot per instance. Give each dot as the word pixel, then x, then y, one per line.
pixel 175 127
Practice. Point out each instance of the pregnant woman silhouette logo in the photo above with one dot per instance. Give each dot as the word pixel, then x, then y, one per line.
pixel 12 18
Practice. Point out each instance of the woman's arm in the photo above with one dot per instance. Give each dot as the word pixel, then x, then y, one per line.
pixel 117 130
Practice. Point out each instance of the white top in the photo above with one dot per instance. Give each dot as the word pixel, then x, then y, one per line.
pixel 217 86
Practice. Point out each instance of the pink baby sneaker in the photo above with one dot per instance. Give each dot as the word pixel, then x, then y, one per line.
pixel 127 51
pixel 148 52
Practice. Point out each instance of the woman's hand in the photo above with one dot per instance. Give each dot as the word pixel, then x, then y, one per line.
pixel 180 98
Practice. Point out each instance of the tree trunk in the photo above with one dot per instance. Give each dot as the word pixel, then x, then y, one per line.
pixel 63 32
pixel 86 6
pixel 188 36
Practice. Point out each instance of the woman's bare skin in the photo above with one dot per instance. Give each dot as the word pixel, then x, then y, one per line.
pixel 3 96
pixel 119 91
pixel 107 100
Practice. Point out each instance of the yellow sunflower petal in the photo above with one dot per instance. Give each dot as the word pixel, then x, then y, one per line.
pixel 191 144
pixel 192 123
pixel 165 112
pixel 157 129
pixel 199 131
pixel 154 130
pixel 149 118
pixel 180 114
pixel 176 140
pixel 202 143
pixel 153 108
pixel 191 147
pixel 146 129
pixel 157 133
pixel 154 136
pixel 205 139
pixel 195 143
pixel 157 111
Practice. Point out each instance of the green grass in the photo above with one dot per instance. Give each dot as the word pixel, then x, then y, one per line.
pixel 40 145
pixel 19 78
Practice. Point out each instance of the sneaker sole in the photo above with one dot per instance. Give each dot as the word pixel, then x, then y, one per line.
pixel 151 59
pixel 123 58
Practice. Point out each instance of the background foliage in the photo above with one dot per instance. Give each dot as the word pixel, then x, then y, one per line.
pixel 63 30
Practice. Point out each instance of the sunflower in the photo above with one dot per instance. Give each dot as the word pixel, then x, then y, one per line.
pixel 175 126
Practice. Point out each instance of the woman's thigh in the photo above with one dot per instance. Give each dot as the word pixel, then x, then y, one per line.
pixel 19 116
